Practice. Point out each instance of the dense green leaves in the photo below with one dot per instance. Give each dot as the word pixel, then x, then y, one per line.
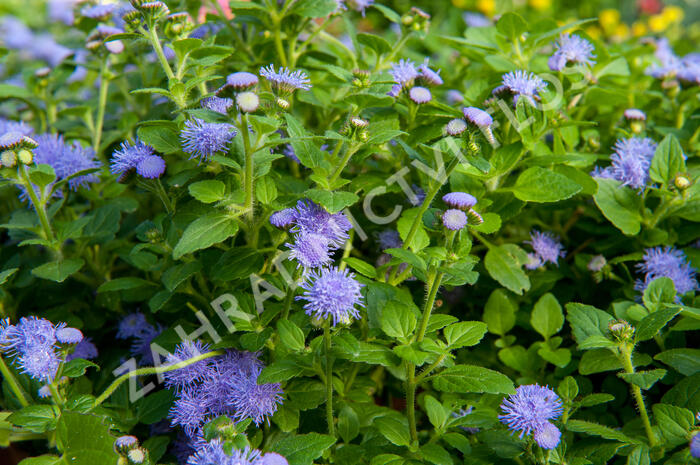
pixel 204 232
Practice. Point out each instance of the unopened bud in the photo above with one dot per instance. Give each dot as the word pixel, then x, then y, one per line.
pixel 248 101
pixel 621 330
pixel 136 456
pixel 282 103
pixel 637 127
pixel 25 156
pixel 8 158
pixel 682 181
pixel 364 136
pixel 474 218
pixel 359 122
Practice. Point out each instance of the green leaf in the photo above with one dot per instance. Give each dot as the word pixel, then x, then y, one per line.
pixel 302 449
pixel 86 439
pixel 596 399
pixel 42 460
pixel 397 320
pixel 643 379
pixel 361 266
pixel 307 152
pixel 654 322
pixel 464 334
pixel 238 263
pixel 279 371
pixel 36 418
pixel 207 191
pixel 436 454
pixel 348 424
pixel 286 418
pixel 265 190
pixel 537 184
pixel 178 274
pixel 123 284
pixel 332 201
pixel 587 321
pixel 204 232
pixel 686 361
pixel 470 378
pixel 5 275
pixel 660 291
pixel 639 456
pixel 406 256
pixel 377 43
pixel 41 175
pixel 77 367
pixel 599 360
pixel 420 239
pixel 504 264
pixel 674 423
pixel 559 357
pixel 290 335
pixel 499 313
pixel 619 204
pixel 437 414
pixel 568 388
pixel 394 427
pixel 668 161
pixel 547 317
pixel 594 429
pixel 511 25
pixel 163 139
pixel 58 270
pixel 154 407
pixel 314 8
pixel 388 13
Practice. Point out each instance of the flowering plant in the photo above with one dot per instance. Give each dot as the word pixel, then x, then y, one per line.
pixel 347 231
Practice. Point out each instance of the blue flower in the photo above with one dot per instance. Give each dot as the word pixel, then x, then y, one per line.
pixel 313 218
pixel 30 333
pixel 635 114
pixel 571 49
pixel 283 218
pixel 404 73
pixel 66 159
pixel 241 80
pixel 667 262
pixel 285 81
pixel 454 219
pixel 472 19
pixel 69 335
pixel 216 104
pixel 631 161
pixel 201 139
pixel 85 349
pixel 695 445
pixel 429 76
pixel 477 116
pixel 310 249
pixel 252 400
pixel 21 127
pixel 139 157
pixel 190 410
pixel 389 239
pixel 459 200
pixel 273 458
pixel 523 84
pixel 456 127
pixel 99 12
pixel 546 246
pixel 133 325
pixel 420 95
pixel 529 411
pixel 141 347
pixel 357 5
pixel 332 293
pixel 212 453
pixel 191 374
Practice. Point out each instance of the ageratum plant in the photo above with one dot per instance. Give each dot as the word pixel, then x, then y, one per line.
pixel 349 232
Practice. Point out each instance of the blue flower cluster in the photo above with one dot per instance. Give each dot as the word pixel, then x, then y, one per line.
pixel 667 262
pixel 547 249
pixel 139 157
pixel 686 68
pixel 530 411
pixel 521 84
pixel 136 327
pixel 37 345
pixel 213 453
pixel 631 161
pixel 221 385
pixel 405 74
pixel 571 49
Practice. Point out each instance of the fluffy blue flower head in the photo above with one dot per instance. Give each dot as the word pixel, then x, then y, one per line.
pixel 571 49
pixel 311 217
pixel 547 436
pixel 217 104
pixel 454 219
pixel 133 325
pixel 21 127
pixel 283 218
pixel 546 246
pixel 460 200
pixel 139 157
pixel 530 409
pixel 212 453
pixel 285 81
pixel 84 349
pixel 190 374
pixel 695 445
pixel 523 84
pixel 190 410
pixel 630 162
pixel 332 293
pixel 66 159
pixel 69 335
pixel 477 117
pixel 252 400
pixel 310 250
pixel 141 346
pixel 667 262
pixel 30 333
pixel 241 80
pixel 99 12
pixel 389 239
pixel 429 76
pixel 202 140
pixel 357 5
pixel 420 95
pixel 404 73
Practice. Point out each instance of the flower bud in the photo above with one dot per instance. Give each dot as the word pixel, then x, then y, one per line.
pixel 621 330
pixel 248 101
pixel 136 456
pixel 637 127
pixel 474 217
pixel 364 136
pixel 282 103
pixel 682 181
pixel 124 444
pixel 8 158
pixel 359 122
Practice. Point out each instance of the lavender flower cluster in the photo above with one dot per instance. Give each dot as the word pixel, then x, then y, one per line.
pixel 686 68
pixel 531 411
pixel 213 452
pixel 136 327
pixel 546 249
pixel 631 161
pixel 667 262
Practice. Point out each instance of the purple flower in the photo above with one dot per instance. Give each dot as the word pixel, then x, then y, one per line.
pixel 99 12
pixel 141 347
pixel 216 104
pixel 283 218
pixel 189 410
pixel 15 34
pixel 333 293
pixel 389 239
pixel 667 262
pixel 20 127
pixel 252 400
pixel 454 96
pixel 85 349
pixel 635 114
pixel 596 263
pixel 186 376
pixel 44 47
pixel 124 442
pixel 404 73
pixel 630 162
pixel 69 335
pixel 357 5
pixel 30 333
pixel 273 458
pixel 241 80
pixel 313 218
pixel 533 262
pixel 463 413
pixel 139 157
pixel 133 325
pixel 523 84
pixel 529 411
pixel 201 139
pixel 429 76
pixel 546 246
pixel 571 49
pixel 285 81
pixel 418 197
pixel 454 219
pixel 460 200
pixel 44 392
pixel 477 117
pixel 310 250
pixel 41 363
pixel 695 445
pixel 66 159
pixel 212 453
pixel 472 19
pixel 547 436
pixel 420 95
pixel 456 127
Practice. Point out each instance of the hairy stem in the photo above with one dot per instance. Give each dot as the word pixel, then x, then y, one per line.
pixel 343 163
pixel 626 359
pixel 152 371
pixel 152 35
pixel 329 377
pixel 101 106
pixel 39 206
pixel 248 177
pixel 12 382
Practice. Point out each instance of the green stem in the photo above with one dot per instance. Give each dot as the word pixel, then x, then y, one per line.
pixel 57 397
pixel 626 359
pixel 39 207
pixel 152 35
pixel 329 377
pixel 248 177
pixel 341 166
pixel 429 303
pixel 12 381
pixel 152 371
pixel 164 197
pixel 411 399
pixel 290 295
pixel 277 24
pixel 396 49
pixel 101 106
pixel 424 374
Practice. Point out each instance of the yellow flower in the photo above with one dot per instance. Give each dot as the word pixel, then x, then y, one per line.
pixel 540 4
pixel 460 3
pixel 608 19
pixel 622 31
pixel 594 32
pixel 639 29
pixel 487 7
pixel 673 14
pixel 657 23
